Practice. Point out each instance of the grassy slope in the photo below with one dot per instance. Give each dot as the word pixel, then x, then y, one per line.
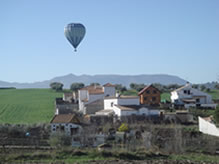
pixel 27 105
pixel 214 93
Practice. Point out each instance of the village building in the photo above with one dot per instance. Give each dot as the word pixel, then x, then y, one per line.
pixel 91 97
pixel 65 107
pixel 126 106
pixel 150 96
pixel 190 97
pixel 66 123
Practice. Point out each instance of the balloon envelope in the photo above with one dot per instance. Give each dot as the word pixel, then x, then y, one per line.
pixel 74 32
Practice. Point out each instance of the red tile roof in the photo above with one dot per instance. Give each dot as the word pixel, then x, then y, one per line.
pixel 108 85
pixel 65 118
pixel 94 89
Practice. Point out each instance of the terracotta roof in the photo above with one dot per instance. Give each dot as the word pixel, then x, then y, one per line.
pixel 96 91
pixel 109 85
pixel 65 118
pixel 145 88
pixel 93 89
pixel 122 97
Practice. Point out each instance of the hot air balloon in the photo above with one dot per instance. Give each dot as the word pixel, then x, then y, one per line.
pixel 74 32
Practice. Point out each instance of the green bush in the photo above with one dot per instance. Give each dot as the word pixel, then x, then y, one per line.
pixel 123 128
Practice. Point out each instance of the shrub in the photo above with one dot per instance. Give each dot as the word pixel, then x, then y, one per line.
pixel 123 128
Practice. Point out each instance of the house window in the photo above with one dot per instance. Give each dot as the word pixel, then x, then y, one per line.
pixel 185 91
pixel 62 128
pixel 197 100
pixel 111 104
pixel 153 98
pixel 148 92
pixel 145 98
pixel 54 126
pixel 188 92
pixel 154 91
pixel 54 129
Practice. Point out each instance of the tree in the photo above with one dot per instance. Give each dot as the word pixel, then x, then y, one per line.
pixel 173 86
pixel 94 84
pixel 133 85
pixel 159 86
pixel 208 90
pixel 217 86
pixel 195 86
pixel 120 88
pixel 123 89
pixel 56 86
pixel 203 87
pixel 137 87
pixel 76 86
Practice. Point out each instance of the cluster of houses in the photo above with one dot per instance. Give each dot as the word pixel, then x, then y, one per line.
pixel 104 101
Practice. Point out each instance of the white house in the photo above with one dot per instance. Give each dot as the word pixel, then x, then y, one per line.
pixel 90 94
pixel 127 106
pixel 206 126
pixel 191 97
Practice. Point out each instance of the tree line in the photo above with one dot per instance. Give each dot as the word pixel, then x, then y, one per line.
pixel 57 86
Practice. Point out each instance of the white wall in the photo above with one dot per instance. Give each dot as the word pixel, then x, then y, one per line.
pixel 117 111
pixel 82 94
pixel 154 112
pixel 108 102
pixel 110 91
pixel 143 111
pixel 128 112
pixel 207 127
pixel 67 127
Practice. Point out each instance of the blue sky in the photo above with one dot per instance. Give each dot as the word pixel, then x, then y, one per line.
pixel 176 37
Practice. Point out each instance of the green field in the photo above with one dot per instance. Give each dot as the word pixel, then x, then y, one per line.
pixel 27 105
pixel 37 105
pixel 214 93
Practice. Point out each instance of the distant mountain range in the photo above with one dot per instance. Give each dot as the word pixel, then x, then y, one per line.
pixel 125 80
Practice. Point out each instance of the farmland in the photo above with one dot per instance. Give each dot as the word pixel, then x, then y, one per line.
pixel 27 105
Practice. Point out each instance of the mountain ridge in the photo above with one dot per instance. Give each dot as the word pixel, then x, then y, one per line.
pixel 125 80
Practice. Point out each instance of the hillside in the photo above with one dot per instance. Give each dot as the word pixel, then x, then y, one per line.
pixel 125 80
pixel 27 105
